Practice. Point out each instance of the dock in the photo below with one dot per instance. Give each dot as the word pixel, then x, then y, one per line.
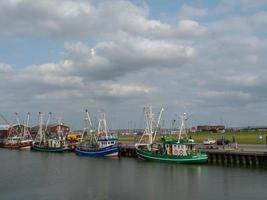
pixel 220 156
pixel 128 150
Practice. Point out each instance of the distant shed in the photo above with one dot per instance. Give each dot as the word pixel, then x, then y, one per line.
pixel 211 128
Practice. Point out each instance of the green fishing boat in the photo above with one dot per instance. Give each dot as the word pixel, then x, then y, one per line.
pixel 46 148
pixel 168 149
pixel 49 142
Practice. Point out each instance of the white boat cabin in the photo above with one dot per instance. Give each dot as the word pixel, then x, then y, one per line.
pixel 105 142
pixel 179 149
pixel 52 143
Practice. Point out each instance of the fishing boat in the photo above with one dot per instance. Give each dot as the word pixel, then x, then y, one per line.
pixel 19 136
pixel 98 143
pixel 181 150
pixel 49 142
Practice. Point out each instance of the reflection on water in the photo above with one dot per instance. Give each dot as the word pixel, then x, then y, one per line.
pixel 34 175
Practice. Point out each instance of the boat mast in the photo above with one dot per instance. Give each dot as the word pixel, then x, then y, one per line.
pixel 48 120
pixel 28 119
pixel 184 118
pixel 149 124
pixel 149 117
pixel 102 126
pixel 87 129
pixel 26 129
pixel 161 111
pixel 17 118
pixel 2 116
pixel 59 133
pixel 40 133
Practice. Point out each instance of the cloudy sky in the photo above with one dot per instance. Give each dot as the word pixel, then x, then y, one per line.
pixel 206 58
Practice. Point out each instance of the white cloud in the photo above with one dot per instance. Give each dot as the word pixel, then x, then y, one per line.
pixel 83 19
pixel 135 60
pixel 191 28
pixel 225 94
pixel 58 95
pixel 245 80
pixel 67 18
pixel 79 71
pixel 245 25
pixel 141 52
pixel 122 90
pixel 5 68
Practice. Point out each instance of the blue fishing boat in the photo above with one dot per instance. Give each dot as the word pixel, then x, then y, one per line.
pixel 98 143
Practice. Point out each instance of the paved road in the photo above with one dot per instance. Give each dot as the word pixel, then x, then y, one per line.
pixel 238 147
pixel 253 147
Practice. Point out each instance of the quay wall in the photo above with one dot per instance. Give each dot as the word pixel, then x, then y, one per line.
pixel 219 157
pixel 237 158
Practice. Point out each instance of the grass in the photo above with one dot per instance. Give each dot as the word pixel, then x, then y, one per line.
pixel 249 137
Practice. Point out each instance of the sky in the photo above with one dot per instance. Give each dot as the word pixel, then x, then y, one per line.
pixel 205 58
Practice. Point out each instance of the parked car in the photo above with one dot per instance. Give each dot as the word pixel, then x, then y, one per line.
pixel 191 140
pixel 209 141
pixel 222 141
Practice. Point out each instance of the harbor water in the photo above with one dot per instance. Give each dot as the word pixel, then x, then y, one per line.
pixel 35 175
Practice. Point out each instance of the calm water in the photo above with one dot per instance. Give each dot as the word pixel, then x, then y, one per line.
pixel 33 175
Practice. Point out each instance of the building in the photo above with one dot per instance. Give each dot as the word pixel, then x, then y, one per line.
pixel 211 128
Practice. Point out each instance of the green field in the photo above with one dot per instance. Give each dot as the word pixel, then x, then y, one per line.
pixel 249 137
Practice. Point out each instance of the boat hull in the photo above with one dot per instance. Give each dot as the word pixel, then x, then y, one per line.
pixel 190 159
pixel 20 145
pixel 101 152
pixel 49 149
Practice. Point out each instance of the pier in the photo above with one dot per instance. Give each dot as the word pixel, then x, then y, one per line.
pixel 227 156
pixel 128 150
